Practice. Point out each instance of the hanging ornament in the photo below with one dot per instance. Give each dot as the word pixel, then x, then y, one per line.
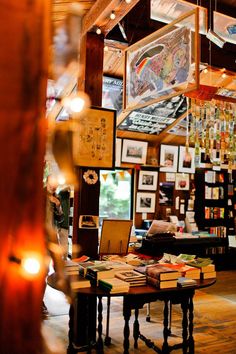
pixel 90 177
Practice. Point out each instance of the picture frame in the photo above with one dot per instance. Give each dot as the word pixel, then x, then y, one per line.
pixel 163 64
pixel 145 202
pixel 168 158
pixel 134 151
pixel 182 182
pixel 88 222
pixel 147 180
pixel 118 152
pixel 186 160
pixel 166 193
pixel 94 138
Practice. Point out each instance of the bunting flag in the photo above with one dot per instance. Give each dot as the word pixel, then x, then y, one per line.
pixel 130 171
pixel 113 176
pixel 122 174
pixel 105 176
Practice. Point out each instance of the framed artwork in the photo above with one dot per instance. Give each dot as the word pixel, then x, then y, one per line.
pixel 164 64
pixel 186 160
pixel 134 151
pixel 168 158
pixel 148 180
pixel 145 202
pixel 182 181
pixel 94 138
pixel 118 152
pixel 166 193
pixel 88 222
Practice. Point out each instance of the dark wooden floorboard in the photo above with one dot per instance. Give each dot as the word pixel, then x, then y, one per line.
pixel 214 321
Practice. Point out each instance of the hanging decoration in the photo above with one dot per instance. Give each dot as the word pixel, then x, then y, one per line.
pixel 90 177
pixel 212 130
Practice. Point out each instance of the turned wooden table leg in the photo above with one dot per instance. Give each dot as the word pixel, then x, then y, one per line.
pixel 191 316
pixel 100 341
pixel 165 347
pixel 127 314
pixel 184 306
pixel 136 328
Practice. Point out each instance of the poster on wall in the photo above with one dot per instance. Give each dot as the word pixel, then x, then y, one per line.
pixel 94 138
pixel 161 65
pixel 155 118
pixel 166 193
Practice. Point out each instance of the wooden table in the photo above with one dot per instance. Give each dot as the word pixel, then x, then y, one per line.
pixel 134 300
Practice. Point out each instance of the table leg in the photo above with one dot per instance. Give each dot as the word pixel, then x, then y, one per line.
pixel 191 315
pixel 165 347
pixel 136 328
pixel 184 306
pixel 107 340
pixel 70 348
pixel 100 341
pixel 126 314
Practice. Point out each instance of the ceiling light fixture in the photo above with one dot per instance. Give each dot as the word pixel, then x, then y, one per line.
pixel 98 30
pixel 112 15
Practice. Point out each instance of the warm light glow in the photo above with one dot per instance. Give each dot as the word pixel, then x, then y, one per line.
pixel 205 71
pixel 224 75
pixel 128 1
pixel 112 15
pixel 31 265
pixel 76 103
pixel 61 179
pixel 106 48
pixel 98 31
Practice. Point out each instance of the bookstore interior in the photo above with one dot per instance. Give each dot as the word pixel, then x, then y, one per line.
pixel 121 187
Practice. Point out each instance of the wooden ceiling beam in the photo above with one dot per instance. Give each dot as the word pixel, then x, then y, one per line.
pixel 99 15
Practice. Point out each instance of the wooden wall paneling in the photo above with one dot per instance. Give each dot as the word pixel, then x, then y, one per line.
pixel 24 45
pixel 86 198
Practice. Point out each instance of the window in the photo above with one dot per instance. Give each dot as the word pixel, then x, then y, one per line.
pixel 115 194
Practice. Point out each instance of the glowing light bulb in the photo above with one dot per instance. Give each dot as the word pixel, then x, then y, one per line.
pixel 205 71
pixel 31 265
pixel 128 1
pixel 98 30
pixel 224 75
pixel 106 48
pixel 61 179
pixel 76 103
pixel 112 15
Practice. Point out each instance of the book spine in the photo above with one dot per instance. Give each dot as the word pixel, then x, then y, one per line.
pixel 153 281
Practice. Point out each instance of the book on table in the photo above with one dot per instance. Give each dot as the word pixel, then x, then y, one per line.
pixel 106 270
pixel 184 282
pixel 79 282
pixel 162 284
pixel 208 275
pixel 114 285
pixel 161 272
pixel 132 277
pixel 185 270
pixel 204 264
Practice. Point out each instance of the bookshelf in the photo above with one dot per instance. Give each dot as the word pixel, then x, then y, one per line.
pixel 215 208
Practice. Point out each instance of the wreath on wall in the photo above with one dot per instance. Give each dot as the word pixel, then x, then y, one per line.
pixel 90 177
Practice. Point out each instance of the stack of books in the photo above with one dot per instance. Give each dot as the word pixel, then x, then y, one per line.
pixel 114 285
pixel 185 270
pixel 160 276
pixel 206 267
pixel 106 270
pixel 132 277
pixel 79 283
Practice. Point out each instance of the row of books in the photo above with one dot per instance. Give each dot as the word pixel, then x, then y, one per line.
pixel 214 192
pixel 219 231
pixel 213 177
pixel 214 213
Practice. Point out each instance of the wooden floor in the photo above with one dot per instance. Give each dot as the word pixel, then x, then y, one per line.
pixel 214 321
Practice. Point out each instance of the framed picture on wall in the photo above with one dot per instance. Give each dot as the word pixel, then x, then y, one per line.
pixel 94 138
pixel 182 181
pixel 148 180
pixel 168 158
pixel 145 202
pixel 134 151
pixel 186 160
pixel 164 64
